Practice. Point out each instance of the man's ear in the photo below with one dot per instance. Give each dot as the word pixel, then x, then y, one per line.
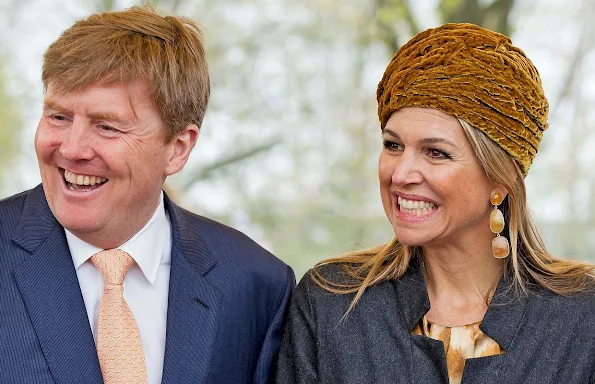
pixel 181 146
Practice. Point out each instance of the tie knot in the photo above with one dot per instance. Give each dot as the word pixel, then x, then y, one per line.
pixel 113 265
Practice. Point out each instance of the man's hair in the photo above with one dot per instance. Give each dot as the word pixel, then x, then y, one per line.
pixel 136 44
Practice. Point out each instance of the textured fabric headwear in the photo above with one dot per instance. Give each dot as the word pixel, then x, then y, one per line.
pixel 476 75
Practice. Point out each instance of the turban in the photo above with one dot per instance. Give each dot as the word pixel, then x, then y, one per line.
pixel 476 75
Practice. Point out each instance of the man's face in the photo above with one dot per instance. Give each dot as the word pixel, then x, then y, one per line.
pixel 103 159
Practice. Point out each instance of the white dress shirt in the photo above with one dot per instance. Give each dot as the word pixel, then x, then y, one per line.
pixel 145 287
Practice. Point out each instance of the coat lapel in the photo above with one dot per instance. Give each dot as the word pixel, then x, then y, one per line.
pixel 193 303
pixel 504 314
pixel 501 322
pixel 49 288
pixel 428 360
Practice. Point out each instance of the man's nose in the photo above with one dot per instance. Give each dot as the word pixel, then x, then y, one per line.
pixel 77 143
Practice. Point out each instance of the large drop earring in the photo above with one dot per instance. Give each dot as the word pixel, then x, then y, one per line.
pixel 500 246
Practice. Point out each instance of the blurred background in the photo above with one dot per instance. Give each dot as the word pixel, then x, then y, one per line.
pixel 288 150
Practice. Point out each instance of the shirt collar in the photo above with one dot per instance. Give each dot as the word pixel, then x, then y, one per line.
pixel 145 247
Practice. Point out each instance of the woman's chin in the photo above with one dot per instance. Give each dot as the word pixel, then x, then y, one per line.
pixel 411 240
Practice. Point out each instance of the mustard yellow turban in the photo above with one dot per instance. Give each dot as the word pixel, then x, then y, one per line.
pixel 476 75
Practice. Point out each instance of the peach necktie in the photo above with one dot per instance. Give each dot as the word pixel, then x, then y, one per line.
pixel 119 345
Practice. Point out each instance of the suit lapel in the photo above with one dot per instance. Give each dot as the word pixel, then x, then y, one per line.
pixel 49 288
pixel 193 303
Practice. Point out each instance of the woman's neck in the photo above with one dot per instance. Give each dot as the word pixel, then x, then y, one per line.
pixel 460 281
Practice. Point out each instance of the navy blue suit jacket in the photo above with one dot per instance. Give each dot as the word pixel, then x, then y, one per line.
pixel 226 305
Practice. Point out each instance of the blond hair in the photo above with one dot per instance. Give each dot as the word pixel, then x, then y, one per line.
pixel 529 262
pixel 136 44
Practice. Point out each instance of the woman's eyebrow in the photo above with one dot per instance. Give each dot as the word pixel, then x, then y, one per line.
pixel 391 133
pixel 437 140
pixel 425 141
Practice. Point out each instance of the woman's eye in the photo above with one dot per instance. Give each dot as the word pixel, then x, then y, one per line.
pixel 437 154
pixel 391 145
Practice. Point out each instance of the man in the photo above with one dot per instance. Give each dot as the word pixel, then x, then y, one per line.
pixel 102 277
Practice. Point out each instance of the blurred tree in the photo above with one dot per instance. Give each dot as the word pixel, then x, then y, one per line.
pixel 569 177
pixel 289 147
pixel 492 15
pixel 10 125
pixel 319 61
pixel 326 47
pixel 390 14
pixel 314 57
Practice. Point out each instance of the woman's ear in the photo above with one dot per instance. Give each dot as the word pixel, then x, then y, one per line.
pixel 498 194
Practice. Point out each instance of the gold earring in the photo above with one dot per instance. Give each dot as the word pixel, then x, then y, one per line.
pixel 500 246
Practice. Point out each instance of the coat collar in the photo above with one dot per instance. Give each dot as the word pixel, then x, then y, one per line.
pixel 36 222
pixel 50 291
pixel 49 288
pixel 501 321
pixel 193 300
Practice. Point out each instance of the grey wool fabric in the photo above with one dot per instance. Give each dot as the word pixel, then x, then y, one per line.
pixel 548 339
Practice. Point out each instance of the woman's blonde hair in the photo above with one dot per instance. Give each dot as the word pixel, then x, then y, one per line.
pixel 529 262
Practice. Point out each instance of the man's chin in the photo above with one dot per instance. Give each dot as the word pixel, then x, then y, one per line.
pixel 80 223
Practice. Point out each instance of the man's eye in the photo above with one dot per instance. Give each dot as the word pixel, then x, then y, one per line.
pixel 58 117
pixel 107 128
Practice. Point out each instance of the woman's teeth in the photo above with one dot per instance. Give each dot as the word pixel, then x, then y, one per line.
pixel 416 207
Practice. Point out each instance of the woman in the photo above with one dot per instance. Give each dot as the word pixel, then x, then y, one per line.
pixel 466 291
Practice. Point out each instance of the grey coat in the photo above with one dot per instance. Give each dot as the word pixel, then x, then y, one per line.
pixel 548 338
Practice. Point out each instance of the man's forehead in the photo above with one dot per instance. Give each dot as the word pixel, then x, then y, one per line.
pixel 124 97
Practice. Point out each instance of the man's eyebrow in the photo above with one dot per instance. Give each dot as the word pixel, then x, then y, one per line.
pixel 49 104
pixel 106 116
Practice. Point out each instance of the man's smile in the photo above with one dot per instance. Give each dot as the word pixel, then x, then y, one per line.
pixel 79 182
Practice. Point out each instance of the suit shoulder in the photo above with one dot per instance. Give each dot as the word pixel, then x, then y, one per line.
pixel 216 231
pixel 584 299
pixel 315 288
pixel 10 211
pixel 232 248
pixel 563 308
pixel 13 203
pixel 332 274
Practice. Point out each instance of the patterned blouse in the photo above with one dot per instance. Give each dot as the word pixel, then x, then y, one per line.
pixel 460 343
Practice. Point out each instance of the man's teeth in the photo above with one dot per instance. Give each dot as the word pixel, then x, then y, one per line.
pixel 416 207
pixel 73 178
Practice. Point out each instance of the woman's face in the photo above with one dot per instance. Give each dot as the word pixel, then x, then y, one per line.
pixel 433 189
